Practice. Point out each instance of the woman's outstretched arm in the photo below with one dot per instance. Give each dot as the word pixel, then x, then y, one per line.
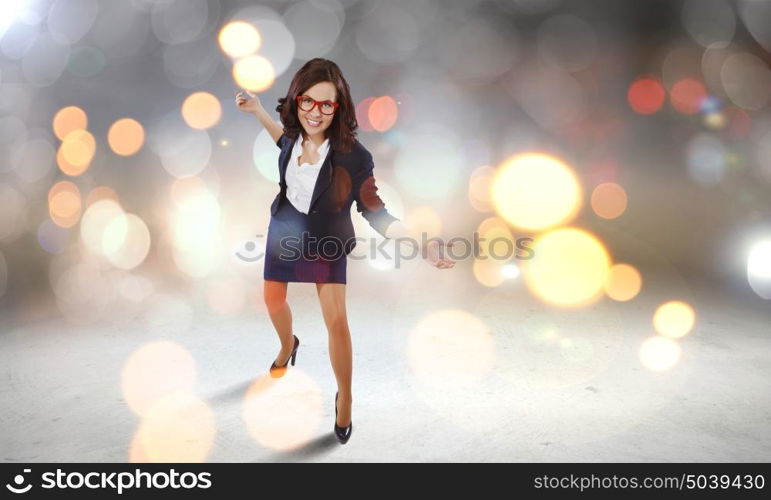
pixel 369 204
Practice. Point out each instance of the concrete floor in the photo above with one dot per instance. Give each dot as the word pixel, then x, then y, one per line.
pixel 586 399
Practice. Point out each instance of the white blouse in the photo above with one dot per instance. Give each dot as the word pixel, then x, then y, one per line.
pixel 301 179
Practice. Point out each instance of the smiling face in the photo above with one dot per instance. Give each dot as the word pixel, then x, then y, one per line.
pixel 314 121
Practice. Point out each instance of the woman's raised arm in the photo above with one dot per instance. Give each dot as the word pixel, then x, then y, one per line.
pixel 253 105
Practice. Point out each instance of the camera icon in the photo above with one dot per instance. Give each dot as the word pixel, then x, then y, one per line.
pixel 18 480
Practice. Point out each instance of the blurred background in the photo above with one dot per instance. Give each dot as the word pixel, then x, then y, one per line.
pixel 630 140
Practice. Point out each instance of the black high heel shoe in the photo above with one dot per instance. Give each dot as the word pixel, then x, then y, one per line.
pixel 279 371
pixel 343 433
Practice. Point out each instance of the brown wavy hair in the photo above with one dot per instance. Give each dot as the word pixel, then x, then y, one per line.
pixel 342 131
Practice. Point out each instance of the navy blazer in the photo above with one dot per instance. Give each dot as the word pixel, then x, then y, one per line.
pixel 343 179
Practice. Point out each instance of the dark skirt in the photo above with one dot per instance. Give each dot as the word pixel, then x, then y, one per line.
pixel 295 258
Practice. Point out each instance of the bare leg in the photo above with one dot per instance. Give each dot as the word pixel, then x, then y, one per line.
pixel 332 300
pixel 281 316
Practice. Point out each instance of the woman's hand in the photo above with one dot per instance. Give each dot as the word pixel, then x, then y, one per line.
pixel 436 257
pixel 248 104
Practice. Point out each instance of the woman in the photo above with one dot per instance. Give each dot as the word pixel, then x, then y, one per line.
pixel 323 170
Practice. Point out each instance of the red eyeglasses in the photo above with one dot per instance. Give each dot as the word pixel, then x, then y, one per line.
pixel 307 103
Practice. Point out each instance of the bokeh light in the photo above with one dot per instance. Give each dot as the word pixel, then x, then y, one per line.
pixel 450 348
pixel 383 113
pixel 510 271
pixel 534 192
pixel 316 26
pixel 201 110
pixel 265 156
pixel 187 188
pixel 96 218
pixel 179 427
pixel 18 40
pixel 45 60
pixel 37 159
pixel 715 120
pixel 156 370
pixel 183 151
pixel 489 272
pixel 682 62
pixel 64 203
pixel 69 21
pixel 759 269
pixel 176 22
pixel 102 193
pixel 479 185
pixel 69 119
pixel 84 292
pixel 674 319
pixel 624 282
pixel 746 79
pixel 126 241
pixel 755 15
pixel 646 95
pixel 135 288
pixel 11 10
pixel 121 30
pixel 495 239
pixel 712 60
pixel 126 136
pixel 195 226
pixel 239 39
pixel 422 220
pixel 362 114
pixel 709 22
pixel 192 64
pixel 389 34
pixel 276 416
pixel 706 158
pixel 570 267
pixel 254 73
pixel 76 152
pixel 278 41
pixel 739 123
pixel 609 200
pixel 459 48
pixel 52 237
pixel 659 353
pixel 687 96
pixel 428 166
pixel 554 99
